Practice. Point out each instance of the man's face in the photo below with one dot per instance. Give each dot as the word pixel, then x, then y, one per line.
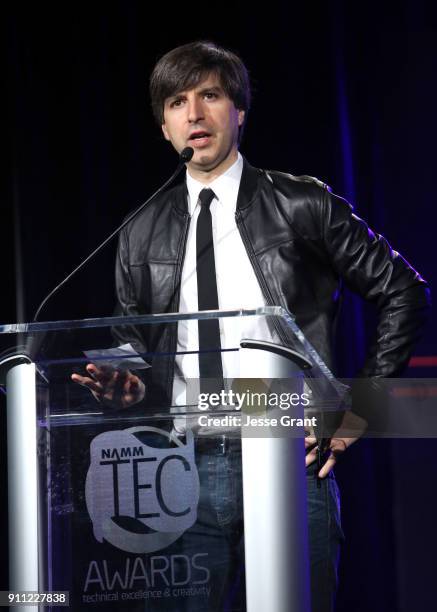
pixel 205 119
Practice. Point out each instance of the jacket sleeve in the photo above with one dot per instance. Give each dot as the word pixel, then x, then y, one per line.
pixel 371 268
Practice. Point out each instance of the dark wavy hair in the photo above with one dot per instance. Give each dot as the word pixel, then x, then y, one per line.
pixel 186 66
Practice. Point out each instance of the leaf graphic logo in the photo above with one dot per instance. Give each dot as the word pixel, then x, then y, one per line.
pixel 141 498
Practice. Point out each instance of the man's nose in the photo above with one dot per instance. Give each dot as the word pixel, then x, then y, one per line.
pixel 195 110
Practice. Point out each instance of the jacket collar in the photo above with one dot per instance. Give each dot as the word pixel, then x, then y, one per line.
pixel 179 195
pixel 249 185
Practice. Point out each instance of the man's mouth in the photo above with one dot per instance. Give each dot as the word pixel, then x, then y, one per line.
pixel 199 138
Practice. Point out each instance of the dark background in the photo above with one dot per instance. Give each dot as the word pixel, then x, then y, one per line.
pixel 342 91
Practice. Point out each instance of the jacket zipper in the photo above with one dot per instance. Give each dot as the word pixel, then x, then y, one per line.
pixel 259 275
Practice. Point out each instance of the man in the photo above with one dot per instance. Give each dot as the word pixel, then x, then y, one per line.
pixel 277 239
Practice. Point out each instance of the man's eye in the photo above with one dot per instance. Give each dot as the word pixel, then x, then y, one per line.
pixel 210 95
pixel 176 103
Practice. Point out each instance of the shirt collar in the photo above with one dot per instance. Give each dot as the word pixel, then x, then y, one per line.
pixel 225 186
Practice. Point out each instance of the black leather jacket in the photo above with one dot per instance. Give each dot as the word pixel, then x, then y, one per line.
pixel 303 242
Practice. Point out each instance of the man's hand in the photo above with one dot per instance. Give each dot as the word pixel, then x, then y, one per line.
pixel 336 448
pixel 350 430
pixel 116 388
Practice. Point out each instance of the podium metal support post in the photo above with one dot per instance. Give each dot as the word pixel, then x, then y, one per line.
pixel 22 479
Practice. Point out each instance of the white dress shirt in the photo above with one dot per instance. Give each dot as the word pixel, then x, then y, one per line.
pixel 237 286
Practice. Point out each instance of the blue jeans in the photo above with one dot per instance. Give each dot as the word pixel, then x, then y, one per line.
pixel 325 536
pixel 219 531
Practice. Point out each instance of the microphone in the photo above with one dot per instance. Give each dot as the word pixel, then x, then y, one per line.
pixel 184 157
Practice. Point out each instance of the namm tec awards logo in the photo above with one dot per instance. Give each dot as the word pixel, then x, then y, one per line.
pixel 141 498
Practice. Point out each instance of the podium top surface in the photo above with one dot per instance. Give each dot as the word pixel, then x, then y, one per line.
pixel 65 342
pixel 154 319
pixel 164 347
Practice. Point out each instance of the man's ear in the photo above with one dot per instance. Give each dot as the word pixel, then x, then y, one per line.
pixel 241 116
pixel 165 132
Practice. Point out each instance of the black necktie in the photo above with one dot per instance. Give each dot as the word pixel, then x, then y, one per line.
pixel 210 361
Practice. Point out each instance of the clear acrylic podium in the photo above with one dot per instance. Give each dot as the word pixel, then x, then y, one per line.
pixel 109 503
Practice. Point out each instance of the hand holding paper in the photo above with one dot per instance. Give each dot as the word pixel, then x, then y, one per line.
pixel 111 382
